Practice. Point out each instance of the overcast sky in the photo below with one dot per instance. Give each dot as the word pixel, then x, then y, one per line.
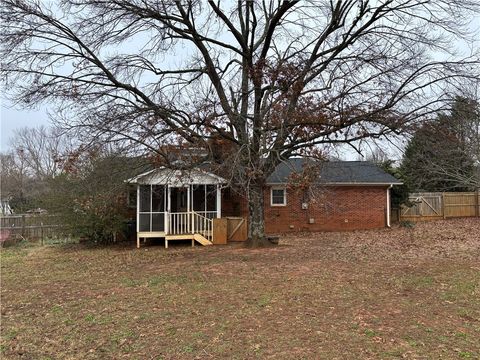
pixel 14 118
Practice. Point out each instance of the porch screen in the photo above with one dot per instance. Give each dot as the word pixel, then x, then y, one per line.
pixel 151 208
pixel 204 200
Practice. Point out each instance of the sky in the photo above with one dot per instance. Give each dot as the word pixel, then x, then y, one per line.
pixel 12 118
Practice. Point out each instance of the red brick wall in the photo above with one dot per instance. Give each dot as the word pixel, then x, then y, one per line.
pixel 233 204
pixel 331 208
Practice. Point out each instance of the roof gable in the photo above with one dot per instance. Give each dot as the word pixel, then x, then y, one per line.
pixel 164 176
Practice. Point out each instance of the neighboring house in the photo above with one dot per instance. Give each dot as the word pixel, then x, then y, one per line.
pixel 344 195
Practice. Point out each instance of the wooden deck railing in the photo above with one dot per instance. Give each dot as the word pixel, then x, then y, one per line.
pixel 202 225
pixel 181 223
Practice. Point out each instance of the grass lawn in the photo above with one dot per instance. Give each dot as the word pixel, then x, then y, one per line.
pixel 409 293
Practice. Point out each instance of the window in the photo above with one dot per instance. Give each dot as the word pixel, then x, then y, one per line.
pixel 278 197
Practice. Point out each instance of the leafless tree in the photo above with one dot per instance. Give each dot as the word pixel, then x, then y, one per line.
pixel 34 157
pixel 10 177
pixel 254 81
pixel 42 151
pixel 376 155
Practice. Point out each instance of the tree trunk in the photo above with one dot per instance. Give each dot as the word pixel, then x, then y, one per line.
pixel 256 220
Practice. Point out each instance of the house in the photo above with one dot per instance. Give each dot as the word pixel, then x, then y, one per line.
pixel 5 208
pixel 341 195
pixel 349 195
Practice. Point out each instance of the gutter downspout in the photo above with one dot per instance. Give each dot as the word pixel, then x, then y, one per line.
pixel 388 205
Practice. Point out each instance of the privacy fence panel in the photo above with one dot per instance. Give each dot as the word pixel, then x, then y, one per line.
pixel 431 206
pixel 461 204
pixel 425 206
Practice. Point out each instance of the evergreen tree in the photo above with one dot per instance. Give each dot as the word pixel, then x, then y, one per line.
pixel 442 153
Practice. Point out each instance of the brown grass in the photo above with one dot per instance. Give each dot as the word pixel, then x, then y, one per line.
pixel 393 293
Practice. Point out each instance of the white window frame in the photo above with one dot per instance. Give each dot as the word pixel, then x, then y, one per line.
pixel 284 195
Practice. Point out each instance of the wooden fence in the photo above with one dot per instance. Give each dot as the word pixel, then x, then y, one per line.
pixel 461 204
pixel 237 229
pixel 432 206
pixel 29 227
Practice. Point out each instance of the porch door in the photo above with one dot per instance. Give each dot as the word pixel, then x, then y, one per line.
pixel 179 208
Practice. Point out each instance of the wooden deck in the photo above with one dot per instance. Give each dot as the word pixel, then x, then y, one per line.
pixel 151 234
pixel 161 234
pixel 219 232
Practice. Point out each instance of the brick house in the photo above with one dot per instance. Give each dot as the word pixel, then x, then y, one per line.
pixel 341 195
pixel 349 195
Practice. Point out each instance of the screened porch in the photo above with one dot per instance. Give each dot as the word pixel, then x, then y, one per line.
pixel 170 209
pixel 177 205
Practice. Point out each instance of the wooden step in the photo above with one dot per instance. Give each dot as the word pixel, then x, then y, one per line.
pixel 194 237
pixel 202 240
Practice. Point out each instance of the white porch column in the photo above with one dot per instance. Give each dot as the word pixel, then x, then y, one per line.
pixel 138 215
pixel 189 218
pixel 138 208
pixel 219 202
pixel 167 213
pixel 151 207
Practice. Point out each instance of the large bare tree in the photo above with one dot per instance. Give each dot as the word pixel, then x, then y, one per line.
pixel 42 151
pixel 254 81
pixel 35 156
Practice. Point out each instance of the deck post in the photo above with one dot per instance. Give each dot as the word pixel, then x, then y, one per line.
pixel 219 202
pixel 477 203
pixel 138 241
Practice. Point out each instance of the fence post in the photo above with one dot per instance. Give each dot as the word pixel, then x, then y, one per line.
pixel 443 205
pixel 23 226
pixel 477 203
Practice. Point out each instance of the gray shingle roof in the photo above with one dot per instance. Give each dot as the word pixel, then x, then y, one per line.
pixel 335 172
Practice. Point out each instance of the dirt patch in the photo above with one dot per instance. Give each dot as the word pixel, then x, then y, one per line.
pixel 394 293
